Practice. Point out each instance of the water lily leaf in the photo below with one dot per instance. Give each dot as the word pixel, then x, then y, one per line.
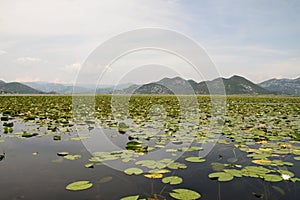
pixel 72 157
pixel 297 158
pixel 173 180
pixel 28 135
pixel 133 171
pixel 153 175
pixel 176 165
pixel 79 185
pixel 63 153
pixel 159 171
pixel 130 198
pixel 195 159
pixel 234 172
pixel 221 176
pixel 56 137
pixel 272 178
pixel 262 162
pixel 89 165
pixel 184 194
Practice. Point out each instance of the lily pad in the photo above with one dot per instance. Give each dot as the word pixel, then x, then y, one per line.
pixel 195 159
pixel 184 194
pixel 177 165
pixel 272 178
pixel 72 157
pixel 133 171
pixel 153 175
pixel 173 180
pixel 89 165
pixel 221 176
pixel 63 153
pixel 79 185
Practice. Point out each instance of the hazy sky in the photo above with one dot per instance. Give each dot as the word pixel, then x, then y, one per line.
pixel 50 40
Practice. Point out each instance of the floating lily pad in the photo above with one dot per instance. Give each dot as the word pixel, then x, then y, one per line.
pixel 133 171
pixel 63 153
pixel 79 185
pixel 153 175
pixel 72 157
pixel 221 176
pixel 272 178
pixel 184 194
pixel 195 159
pixel 56 137
pixel 28 135
pixel 176 165
pixel 173 180
pixel 297 158
pixel 89 165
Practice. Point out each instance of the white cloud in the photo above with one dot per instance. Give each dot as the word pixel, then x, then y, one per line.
pixel 2 52
pixel 72 67
pixel 24 60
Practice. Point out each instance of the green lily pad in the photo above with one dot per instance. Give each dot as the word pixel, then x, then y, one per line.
pixel 195 159
pixel 184 194
pixel 297 158
pixel 234 172
pixel 159 171
pixel 72 157
pixel 133 171
pixel 63 153
pixel 173 180
pixel 89 165
pixel 28 135
pixel 56 137
pixel 79 185
pixel 222 176
pixel 272 178
pixel 176 165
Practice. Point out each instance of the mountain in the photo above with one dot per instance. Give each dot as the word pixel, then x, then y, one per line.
pixel 177 85
pixel 17 88
pixel 282 86
pixel 79 88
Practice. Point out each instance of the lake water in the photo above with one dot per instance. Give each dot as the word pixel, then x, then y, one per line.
pixel 32 169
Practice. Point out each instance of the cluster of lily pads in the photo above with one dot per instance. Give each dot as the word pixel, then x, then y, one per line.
pixel 266 129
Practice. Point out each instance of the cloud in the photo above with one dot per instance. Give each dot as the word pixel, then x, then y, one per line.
pixel 2 52
pixel 72 67
pixel 25 60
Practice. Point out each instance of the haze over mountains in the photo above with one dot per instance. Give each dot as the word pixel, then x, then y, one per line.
pixel 233 85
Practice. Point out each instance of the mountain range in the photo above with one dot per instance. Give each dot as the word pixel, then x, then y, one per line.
pixel 282 86
pixel 17 88
pixel 233 85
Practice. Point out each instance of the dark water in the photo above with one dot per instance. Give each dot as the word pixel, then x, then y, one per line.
pixel 45 175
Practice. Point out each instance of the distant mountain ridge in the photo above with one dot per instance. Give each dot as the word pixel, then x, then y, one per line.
pixel 282 86
pixel 69 88
pixel 233 85
pixel 17 88
pixel 177 85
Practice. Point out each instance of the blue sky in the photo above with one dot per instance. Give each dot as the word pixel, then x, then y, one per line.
pixel 50 40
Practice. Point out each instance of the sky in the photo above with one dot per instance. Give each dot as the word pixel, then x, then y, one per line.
pixel 52 40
